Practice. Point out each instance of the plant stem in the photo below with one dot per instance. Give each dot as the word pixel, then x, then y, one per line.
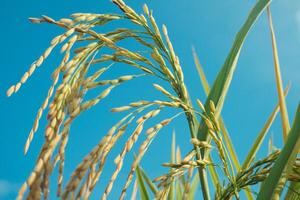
pixel 192 120
pixel 201 170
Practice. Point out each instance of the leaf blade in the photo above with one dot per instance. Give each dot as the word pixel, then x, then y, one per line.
pixel 224 77
pixel 194 185
pixel 283 109
pixel 149 182
pixel 142 188
pixel 285 160
pixel 223 129
pixel 255 147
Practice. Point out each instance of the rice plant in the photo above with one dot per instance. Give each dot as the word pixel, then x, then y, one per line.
pixel 89 53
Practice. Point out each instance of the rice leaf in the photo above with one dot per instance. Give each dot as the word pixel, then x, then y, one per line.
pixel 179 189
pixel 178 159
pixel 194 185
pixel 213 173
pixel 206 88
pixel 284 161
pixel 149 182
pixel 142 188
pixel 221 84
pixel 202 76
pixel 257 144
pixel 283 110
pixel 224 131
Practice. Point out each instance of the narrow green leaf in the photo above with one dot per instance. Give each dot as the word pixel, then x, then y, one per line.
pixel 283 110
pixel 142 188
pixel 224 131
pixel 257 144
pixel 223 80
pixel 194 185
pixel 179 189
pixel 213 173
pixel 178 160
pixel 202 76
pixel 284 161
pixel 224 77
pixel 223 128
pixel 150 184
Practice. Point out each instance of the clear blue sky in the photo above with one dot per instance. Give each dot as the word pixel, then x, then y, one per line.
pixel 209 26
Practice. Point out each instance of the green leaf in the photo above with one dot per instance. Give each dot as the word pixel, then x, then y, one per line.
pixel 224 131
pixel 283 110
pixel 257 144
pixel 223 128
pixel 178 160
pixel 284 161
pixel 213 173
pixel 173 157
pixel 150 184
pixel 179 189
pixel 221 84
pixel 142 188
pixel 201 73
pixel 194 185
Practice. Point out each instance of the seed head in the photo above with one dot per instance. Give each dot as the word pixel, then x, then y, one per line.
pixel 121 109
pixel 146 10
pixel 212 106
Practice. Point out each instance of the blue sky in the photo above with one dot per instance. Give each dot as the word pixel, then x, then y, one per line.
pixel 209 26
